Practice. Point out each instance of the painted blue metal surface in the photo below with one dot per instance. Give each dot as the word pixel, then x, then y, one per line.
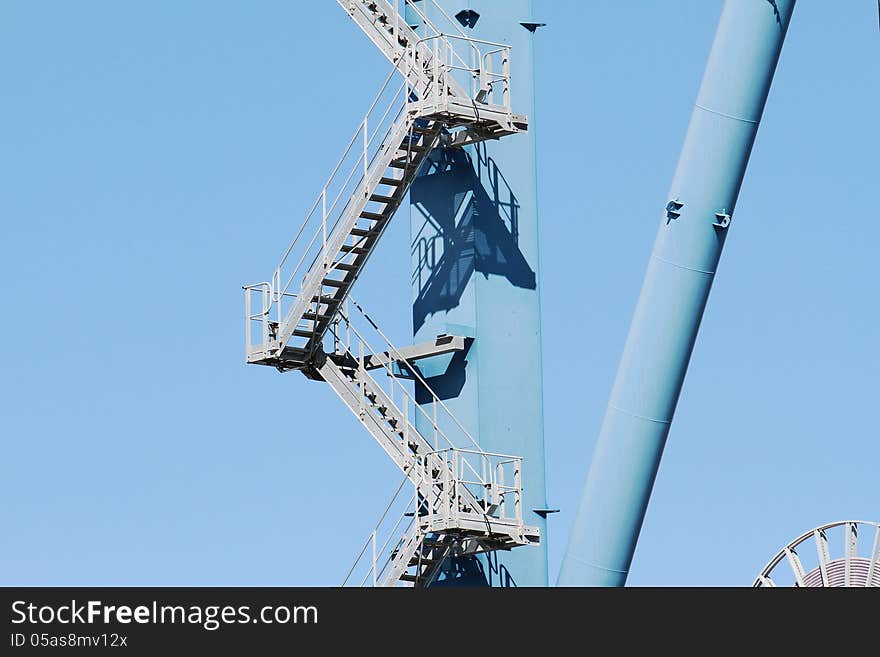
pixel 474 221
pixel 675 290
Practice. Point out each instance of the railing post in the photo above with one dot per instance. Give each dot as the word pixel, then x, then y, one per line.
pixel 396 33
pixel 374 558
pixel 456 482
pixel 347 323
pixel 405 421
pixel 279 294
pixel 486 75
pixel 436 63
pixel 446 499
pixel 501 489
pixel 362 380
pixel 366 163
pixel 265 315
pixel 517 483
pixel 247 321
pixel 436 428
pixel 475 70
pixel 505 71
pixel 486 489
pixel 447 67
pixel 324 228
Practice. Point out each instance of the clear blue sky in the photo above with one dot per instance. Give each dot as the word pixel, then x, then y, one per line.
pixel 154 157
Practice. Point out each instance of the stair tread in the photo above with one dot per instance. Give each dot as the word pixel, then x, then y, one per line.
pixel 344 266
pixel 330 282
pixel 354 249
pixel 415 561
pixel 325 300
pixel 393 182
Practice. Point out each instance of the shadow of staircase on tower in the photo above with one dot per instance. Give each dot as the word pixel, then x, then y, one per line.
pixel 465 220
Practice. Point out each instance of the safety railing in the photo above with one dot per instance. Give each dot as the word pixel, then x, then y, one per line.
pixel 308 257
pixel 470 59
pixel 482 79
pixel 434 498
pixel 493 480
pixel 355 336
pixel 394 527
pixel 486 63
pixel 385 119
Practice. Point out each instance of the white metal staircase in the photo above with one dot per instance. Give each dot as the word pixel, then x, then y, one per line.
pixel 455 91
pixel 463 501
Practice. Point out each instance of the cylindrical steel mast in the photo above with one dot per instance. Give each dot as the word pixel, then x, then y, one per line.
pixel 674 293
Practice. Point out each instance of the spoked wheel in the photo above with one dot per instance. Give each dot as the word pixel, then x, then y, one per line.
pixel 845 553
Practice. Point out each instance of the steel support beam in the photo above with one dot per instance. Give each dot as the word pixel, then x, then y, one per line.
pixel 679 276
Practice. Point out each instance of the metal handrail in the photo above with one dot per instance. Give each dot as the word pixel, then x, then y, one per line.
pixel 439 433
pixel 345 316
pixel 458 31
pixel 364 125
pixel 326 213
pixel 378 525
pixel 444 502
pixel 415 373
pixel 361 126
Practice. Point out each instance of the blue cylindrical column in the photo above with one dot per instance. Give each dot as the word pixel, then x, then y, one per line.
pixel 675 290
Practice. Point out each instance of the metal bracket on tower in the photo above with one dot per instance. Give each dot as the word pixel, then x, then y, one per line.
pixel 405 356
pixel 722 220
pixel 673 209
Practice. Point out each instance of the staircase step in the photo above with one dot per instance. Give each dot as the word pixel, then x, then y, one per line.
pixel 403 164
pixel 354 249
pixel 393 182
pixel 317 317
pixel 327 301
pixel 423 562
pixel 373 216
pixel 382 199
pixel 329 282
pixel 406 577
pixel 405 146
pixel 344 266
pixel 360 232
pixel 302 333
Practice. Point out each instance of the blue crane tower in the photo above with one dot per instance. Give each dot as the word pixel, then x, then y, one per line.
pixel 474 219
